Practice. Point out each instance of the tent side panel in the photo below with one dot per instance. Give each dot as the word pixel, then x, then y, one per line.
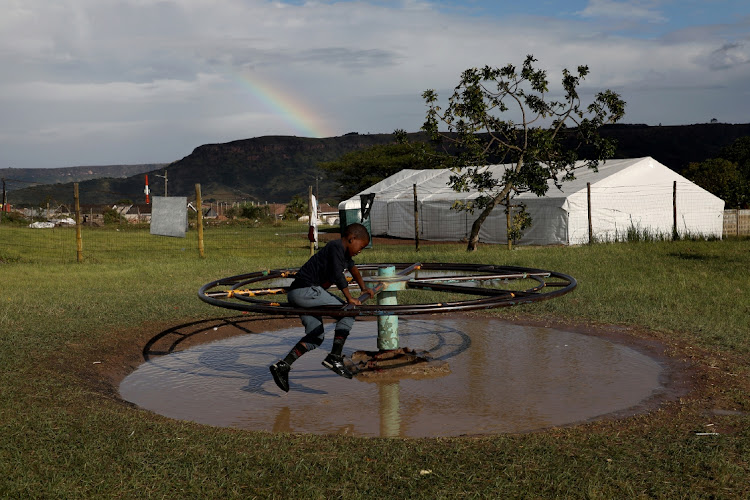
pixel 439 223
pixel 698 214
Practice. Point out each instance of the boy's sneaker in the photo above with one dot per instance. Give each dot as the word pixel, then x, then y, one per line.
pixel 280 372
pixel 336 365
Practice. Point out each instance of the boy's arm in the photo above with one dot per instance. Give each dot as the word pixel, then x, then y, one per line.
pixel 358 278
pixel 349 299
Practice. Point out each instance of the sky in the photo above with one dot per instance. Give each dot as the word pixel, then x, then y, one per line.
pixel 106 82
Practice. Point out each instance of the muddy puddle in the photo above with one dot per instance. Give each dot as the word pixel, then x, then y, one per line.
pixel 503 378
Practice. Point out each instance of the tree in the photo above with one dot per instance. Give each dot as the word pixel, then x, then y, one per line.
pixel 297 207
pixel 727 176
pixel 112 216
pixel 358 170
pixel 738 152
pixel 545 143
pixel 722 178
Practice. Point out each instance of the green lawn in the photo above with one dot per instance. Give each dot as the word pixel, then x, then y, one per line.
pixel 65 434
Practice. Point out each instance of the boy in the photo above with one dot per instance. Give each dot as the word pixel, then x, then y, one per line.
pixel 309 290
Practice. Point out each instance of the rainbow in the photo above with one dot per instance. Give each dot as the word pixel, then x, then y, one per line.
pixel 306 121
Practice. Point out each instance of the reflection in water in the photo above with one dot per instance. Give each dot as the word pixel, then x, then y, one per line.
pixel 390 415
pixel 504 378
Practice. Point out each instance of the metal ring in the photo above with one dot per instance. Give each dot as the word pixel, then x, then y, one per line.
pixel 232 292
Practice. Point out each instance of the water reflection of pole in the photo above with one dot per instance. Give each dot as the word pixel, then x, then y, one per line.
pixel 390 418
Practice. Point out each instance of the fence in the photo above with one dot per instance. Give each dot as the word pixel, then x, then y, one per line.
pixel 736 222
pixel 110 232
pixel 596 213
pixel 613 213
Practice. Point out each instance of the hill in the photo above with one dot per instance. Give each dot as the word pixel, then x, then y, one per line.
pixel 675 146
pixel 17 178
pixel 275 168
pixel 271 168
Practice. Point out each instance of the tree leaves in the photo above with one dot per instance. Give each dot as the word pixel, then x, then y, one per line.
pixel 541 144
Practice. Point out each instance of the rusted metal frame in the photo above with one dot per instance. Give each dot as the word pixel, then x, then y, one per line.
pixel 485 277
pixel 565 286
pixel 243 280
pixel 248 292
pixel 269 275
pixel 426 284
pixel 239 279
pixel 486 303
pixel 466 290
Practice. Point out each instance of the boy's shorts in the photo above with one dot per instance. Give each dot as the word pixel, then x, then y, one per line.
pixel 315 296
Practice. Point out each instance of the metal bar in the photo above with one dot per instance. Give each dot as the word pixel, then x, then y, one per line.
pixel 484 278
pixel 379 287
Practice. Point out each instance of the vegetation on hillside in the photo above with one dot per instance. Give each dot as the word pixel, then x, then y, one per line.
pixel 274 169
pixel 728 175
pixel 358 170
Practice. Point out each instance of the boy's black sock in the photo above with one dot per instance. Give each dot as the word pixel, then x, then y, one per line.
pixel 307 343
pixel 297 351
pixel 339 338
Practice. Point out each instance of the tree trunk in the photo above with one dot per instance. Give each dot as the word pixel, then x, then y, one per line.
pixel 474 235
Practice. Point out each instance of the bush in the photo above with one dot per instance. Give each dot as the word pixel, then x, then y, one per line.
pixel 296 208
pixel 255 212
pixel 112 216
pixel 14 218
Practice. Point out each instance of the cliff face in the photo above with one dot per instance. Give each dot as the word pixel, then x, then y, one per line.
pixel 263 168
pixel 275 168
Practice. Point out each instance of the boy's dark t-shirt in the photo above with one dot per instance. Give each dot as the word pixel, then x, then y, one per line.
pixel 325 268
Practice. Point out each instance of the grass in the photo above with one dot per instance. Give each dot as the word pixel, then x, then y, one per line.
pixel 65 434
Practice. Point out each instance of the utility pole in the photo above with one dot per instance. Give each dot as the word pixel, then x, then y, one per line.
pixel 165 181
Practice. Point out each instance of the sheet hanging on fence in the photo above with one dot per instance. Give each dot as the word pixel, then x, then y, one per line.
pixel 169 216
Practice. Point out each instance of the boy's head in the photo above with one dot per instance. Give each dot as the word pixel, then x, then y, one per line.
pixel 355 237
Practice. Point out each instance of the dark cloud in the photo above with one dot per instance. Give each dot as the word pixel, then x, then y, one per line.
pixel 729 56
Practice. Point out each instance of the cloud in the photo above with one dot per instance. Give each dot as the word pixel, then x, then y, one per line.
pixel 156 91
pixel 628 10
pixel 176 68
pixel 729 56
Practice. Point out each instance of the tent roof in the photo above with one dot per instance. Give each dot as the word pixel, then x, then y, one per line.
pixel 432 185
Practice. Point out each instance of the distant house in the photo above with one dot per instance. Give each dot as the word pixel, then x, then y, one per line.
pixel 276 210
pixel 140 212
pixel 209 212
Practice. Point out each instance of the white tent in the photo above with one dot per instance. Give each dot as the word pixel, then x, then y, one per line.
pixel 626 195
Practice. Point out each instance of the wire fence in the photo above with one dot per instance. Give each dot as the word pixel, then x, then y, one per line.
pixel 112 244
pixel 600 214
pixel 121 228
pixel 595 214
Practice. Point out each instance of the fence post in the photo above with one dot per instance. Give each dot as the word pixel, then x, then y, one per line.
pixel 675 236
pixel 2 202
pixel 507 221
pixel 311 232
pixel 416 219
pixel 79 241
pixel 199 209
pixel 588 202
pixel 737 218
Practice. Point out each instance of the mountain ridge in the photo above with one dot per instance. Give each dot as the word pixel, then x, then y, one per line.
pixel 276 168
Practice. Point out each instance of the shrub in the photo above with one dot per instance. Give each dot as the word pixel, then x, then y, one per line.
pixel 112 216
